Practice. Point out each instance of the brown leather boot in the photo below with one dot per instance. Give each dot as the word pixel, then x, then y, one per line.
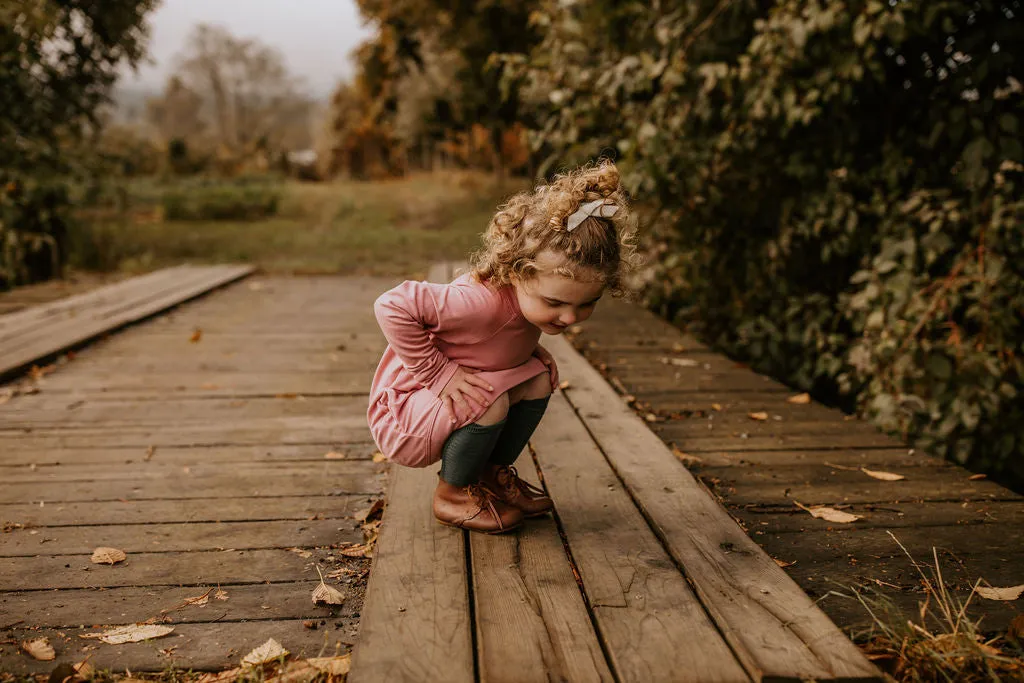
pixel 475 508
pixel 511 490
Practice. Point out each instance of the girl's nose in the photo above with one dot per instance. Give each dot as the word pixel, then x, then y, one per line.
pixel 567 318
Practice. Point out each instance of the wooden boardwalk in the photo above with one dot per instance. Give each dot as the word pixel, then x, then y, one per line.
pixel 640 575
pixel 701 403
pixel 194 442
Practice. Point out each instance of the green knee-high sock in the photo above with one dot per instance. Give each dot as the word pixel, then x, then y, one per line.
pixel 522 420
pixel 466 451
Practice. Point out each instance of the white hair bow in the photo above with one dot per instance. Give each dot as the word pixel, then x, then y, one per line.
pixel 602 208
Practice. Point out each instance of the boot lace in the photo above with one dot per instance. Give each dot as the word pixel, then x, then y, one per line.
pixel 513 482
pixel 485 498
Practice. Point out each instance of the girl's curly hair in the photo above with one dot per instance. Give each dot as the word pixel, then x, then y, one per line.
pixel 532 222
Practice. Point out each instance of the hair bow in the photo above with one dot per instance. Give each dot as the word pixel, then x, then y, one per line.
pixel 602 208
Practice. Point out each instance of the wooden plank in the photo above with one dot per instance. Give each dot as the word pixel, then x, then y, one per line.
pixel 812 484
pixel 415 623
pixel 653 626
pixel 875 458
pixel 772 626
pixel 778 443
pixel 531 622
pixel 242 483
pixel 76 332
pixel 74 608
pixel 182 537
pixel 219 508
pixel 183 455
pixel 199 647
pixel 289 431
pixel 48 572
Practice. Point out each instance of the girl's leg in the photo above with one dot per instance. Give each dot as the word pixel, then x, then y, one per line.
pixel 529 402
pixel 459 500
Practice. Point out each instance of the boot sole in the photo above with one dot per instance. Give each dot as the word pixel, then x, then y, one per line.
pixel 479 531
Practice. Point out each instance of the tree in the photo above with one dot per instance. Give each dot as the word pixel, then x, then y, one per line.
pixel 58 61
pixel 248 98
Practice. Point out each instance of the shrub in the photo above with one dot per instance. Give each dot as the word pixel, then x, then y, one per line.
pixel 221 202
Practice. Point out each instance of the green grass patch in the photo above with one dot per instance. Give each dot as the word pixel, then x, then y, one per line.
pixel 397 227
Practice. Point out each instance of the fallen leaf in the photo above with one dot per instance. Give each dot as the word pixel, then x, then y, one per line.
pixel 229 676
pixel 1010 593
pixel 358 550
pixel 108 556
pixel 197 334
pixel 678 348
pixel 686 458
pixel 829 514
pixel 761 416
pixel 324 593
pixel 651 417
pixel 334 666
pixel 304 554
pixel 334 455
pixel 198 600
pixel 150 450
pixel 267 652
pixel 717 407
pixel 39 648
pixel 884 476
pixel 371 512
pixel 220 595
pixel 564 384
pixel 287 394
pixel 379 457
pixel 132 633
pixel 679 362
pixel 783 563
pixel 976 477
pixel 799 399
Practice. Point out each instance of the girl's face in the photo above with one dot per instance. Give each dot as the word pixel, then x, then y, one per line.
pixel 554 302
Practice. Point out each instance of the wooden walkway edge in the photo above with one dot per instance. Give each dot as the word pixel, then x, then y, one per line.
pixel 37 333
pixel 641 576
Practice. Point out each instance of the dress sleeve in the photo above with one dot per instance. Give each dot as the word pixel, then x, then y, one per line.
pixel 411 312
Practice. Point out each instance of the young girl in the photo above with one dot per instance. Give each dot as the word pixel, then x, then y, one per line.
pixel 463 379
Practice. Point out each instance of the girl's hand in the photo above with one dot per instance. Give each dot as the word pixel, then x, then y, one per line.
pixel 464 385
pixel 547 359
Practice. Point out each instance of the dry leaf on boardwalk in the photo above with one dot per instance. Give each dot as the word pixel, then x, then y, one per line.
pixel 799 399
pixel 379 457
pixel 717 407
pixel 372 512
pixel 197 334
pixel 108 556
pixel 686 458
pixel 783 563
pixel 220 594
pixel 564 384
pixel 679 362
pixel 1016 629
pixel 884 476
pixel 132 633
pixel 267 652
pixel 1009 593
pixel 678 348
pixel 304 554
pixel 334 666
pixel 976 477
pixel 334 455
pixel 229 676
pixel 357 550
pixel 198 600
pixel 829 514
pixel 324 593
pixel 760 416
pixel 39 648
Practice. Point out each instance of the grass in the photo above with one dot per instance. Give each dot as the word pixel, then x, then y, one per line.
pixel 942 644
pixel 396 227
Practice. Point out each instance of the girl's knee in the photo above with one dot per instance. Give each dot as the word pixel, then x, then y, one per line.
pixel 496 412
pixel 538 386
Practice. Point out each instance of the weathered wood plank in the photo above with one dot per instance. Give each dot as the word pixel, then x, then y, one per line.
pixel 49 572
pixel 355 480
pixel 416 621
pixel 183 537
pixel 773 627
pixel 182 455
pixel 653 626
pixel 77 331
pixel 220 508
pixel 80 607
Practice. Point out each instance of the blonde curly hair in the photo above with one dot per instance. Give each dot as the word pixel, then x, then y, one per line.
pixel 533 222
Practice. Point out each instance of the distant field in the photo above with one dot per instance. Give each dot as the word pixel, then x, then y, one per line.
pixel 396 227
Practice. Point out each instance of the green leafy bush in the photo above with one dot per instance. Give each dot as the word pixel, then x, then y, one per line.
pixel 840 191
pixel 221 202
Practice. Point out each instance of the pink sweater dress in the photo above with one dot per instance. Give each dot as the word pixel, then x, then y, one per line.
pixel 431 330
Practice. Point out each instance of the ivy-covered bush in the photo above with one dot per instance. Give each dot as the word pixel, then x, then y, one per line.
pixel 839 185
